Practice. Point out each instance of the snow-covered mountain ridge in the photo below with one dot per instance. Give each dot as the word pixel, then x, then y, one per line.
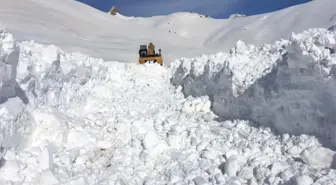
pixel 100 35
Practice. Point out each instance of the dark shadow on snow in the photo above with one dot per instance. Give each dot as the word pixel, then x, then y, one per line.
pixel 333 163
pixel 2 160
pixel 18 93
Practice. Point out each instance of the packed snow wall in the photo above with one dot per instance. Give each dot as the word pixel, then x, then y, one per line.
pixel 289 85
pixel 40 76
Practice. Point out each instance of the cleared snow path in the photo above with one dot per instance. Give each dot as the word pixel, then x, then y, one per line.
pixel 80 120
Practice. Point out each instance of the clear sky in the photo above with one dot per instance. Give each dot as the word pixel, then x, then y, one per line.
pixel 213 8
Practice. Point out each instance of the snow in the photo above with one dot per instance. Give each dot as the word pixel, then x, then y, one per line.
pixel 256 114
pixel 46 160
pixel 182 34
pixel 289 85
pixel 88 121
pixel 304 180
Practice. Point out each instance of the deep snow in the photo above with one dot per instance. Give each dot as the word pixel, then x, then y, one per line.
pixel 81 120
pixel 74 27
pixel 289 86
pixel 68 118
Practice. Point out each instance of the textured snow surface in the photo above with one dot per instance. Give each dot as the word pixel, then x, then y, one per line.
pixel 71 119
pixel 289 85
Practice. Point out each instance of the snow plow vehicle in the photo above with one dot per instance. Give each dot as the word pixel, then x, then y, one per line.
pixel 147 54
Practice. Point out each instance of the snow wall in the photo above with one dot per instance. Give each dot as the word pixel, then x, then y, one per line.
pixel 40 76
pixel 289 85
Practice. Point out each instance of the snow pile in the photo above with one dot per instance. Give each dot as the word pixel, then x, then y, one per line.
pixel 78 124
pixel 245 64
pixel 289 85
pixel 87 121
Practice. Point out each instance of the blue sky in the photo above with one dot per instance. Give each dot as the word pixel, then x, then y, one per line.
pixel 213 8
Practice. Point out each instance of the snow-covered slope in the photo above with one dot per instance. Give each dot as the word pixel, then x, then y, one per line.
pixel 76 27
pixel 67 118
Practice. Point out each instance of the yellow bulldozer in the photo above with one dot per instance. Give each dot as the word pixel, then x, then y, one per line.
pixel 147 54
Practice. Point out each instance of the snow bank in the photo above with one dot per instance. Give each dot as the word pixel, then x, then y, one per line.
pixel 35 76
pixel 62 89
pixel 289 85
pixel 12 98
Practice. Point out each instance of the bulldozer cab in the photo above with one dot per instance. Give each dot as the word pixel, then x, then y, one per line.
pixel 147 53
pixel 143 51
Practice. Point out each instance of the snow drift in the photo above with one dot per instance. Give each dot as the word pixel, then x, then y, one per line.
pixel 289 85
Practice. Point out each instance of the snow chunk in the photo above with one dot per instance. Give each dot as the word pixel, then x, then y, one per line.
pixel 150 140
pixel 103 144
pixel 46 159
pixel 220 179
pixel 246 173
pixel 278 167
pixel 87 139
pixel 11 170
pixel 294 150
pixel 304 180
pixel 46 178
pixel 77 181
pixel 319 157
pixel 232 166
pixel 200 181
pixel 201 104
pixel 50 54
pixel 52 127
pixel 209 154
